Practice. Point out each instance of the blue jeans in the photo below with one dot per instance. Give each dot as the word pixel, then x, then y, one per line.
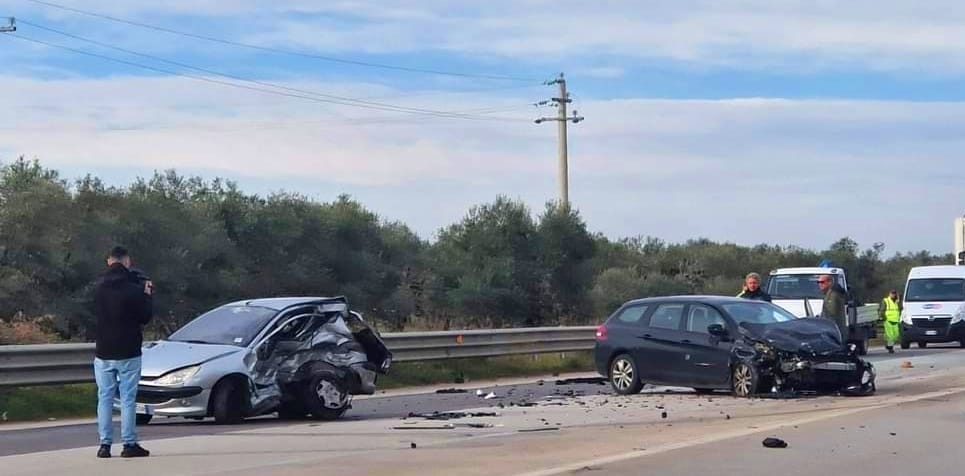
pixel 111 376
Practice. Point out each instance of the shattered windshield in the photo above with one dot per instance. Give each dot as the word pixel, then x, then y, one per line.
pixel 938 289
pixel 796 286
pixel 230 325
pixel 757 313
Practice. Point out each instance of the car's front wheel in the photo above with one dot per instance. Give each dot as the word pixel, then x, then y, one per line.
pixel 745 380
pixel 228 403
pixel 325 397
pixel 624 376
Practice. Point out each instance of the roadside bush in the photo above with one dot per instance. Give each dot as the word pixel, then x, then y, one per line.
pixel 24 330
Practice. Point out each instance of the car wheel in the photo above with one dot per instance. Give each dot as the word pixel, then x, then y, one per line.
pixel 624 377
pixel 961 344
pixel 863 346
pixel 704 391
pixel 905 345
pixel 745 380
pixel 228 403
pixel 922 345
pixel 143 418
pixel 325 397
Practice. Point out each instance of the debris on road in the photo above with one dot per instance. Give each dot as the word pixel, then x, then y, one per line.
pixel 907 365
pixel 663 415
pixel 413 445
pixel 894 434
pixel 452 390
pixel 442 416
pixel 774 443
pixel 583 380
pixel 491 396
pixel 447 426
pixel 529 430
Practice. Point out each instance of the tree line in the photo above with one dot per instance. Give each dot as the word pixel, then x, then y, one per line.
pixel 206 242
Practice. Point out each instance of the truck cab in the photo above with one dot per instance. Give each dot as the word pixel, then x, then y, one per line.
pixel 796 290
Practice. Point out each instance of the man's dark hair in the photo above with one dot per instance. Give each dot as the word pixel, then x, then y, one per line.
pixel 119 252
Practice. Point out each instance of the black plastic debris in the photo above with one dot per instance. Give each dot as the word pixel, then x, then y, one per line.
pixel 452 390
pixel 583 380
pixel 774 443
pixel 530 430
pixel 441 416
pixel 413 445
pixel 663 415
pixel 894 434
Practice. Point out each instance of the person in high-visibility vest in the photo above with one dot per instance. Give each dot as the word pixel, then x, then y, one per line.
pixel 890 312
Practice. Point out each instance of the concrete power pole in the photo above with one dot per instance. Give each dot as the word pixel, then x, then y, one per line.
pixel 562 121
pixel 9 25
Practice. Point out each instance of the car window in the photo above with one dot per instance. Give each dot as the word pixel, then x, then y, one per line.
pixel 632 314
pixel 757 313
pixel 667 316
pixel 228 325
pixel 701 317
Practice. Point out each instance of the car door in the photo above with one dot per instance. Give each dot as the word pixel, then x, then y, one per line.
pixel 658 354
pixel 706 359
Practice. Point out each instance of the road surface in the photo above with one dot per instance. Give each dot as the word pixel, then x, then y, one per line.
pixel 659 431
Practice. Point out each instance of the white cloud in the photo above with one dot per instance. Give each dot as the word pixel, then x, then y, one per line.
pixel 750 170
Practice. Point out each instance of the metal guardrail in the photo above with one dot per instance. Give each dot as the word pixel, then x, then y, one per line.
pixel 50 364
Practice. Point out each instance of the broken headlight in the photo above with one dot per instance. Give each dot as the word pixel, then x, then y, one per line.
pixel 764 350
pixel 178 377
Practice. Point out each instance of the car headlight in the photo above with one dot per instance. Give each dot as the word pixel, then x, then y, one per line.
pixel 178 377
pixel 959 315
pixel 905 317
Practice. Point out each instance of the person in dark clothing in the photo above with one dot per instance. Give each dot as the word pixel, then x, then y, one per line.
pixel 752 289
pixel 123 305
pixel 835 305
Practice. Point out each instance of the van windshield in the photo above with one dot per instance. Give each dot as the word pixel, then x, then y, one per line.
pixel 797 286
pixel 935 289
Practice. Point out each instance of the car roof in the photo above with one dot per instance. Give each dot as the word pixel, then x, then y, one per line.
pixel 812 270
pixel 941 271
pixel 703 299
pixel 279 303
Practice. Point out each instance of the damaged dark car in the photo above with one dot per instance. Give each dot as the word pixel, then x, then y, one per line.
pixel 297 357
pixel 711 343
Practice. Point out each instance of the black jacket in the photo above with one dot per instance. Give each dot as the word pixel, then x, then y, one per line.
pixel 122 310
pixel 758 295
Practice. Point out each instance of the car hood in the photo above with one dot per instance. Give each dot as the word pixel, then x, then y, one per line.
pixel 164 356
pixel 925 309
pixel 807 335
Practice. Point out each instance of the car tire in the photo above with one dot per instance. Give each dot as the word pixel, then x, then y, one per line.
pixel 863 346
pixel 745 380
pixel 905 345
pixel 143 418
pixel 961 344
pixel 703 391
pixel 325 397
pixel 228 403
pixel 922 345
pixel 624 376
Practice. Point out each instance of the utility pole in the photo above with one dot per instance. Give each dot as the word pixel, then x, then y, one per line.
pixel 562 121
pixel 10 26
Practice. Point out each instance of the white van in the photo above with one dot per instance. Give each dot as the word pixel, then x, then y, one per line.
pixel 934 306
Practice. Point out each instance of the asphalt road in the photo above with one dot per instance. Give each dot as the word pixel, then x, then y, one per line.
pixel 379 411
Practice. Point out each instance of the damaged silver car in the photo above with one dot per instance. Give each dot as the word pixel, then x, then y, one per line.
pixel 297 357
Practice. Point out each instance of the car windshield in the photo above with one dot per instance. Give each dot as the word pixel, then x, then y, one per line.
pixel 228 325
pixel 935 289
pixel 796 286
pixel 752 312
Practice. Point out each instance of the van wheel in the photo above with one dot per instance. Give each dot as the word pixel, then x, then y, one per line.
pixel 905 345
pixel 624 377
pixel 745 380
pixel 228 403
pixel 922 345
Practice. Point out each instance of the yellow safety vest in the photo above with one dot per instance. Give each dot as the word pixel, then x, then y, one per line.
pixel 892 314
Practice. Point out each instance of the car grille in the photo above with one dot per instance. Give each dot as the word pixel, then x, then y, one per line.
pixel 937 323
pixel 153 399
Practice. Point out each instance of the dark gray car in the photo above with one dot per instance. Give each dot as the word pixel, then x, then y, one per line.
pixel 722 343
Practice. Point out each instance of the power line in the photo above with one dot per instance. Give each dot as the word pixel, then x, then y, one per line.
pixel 252 88
pixel 234 76
pixel 280 50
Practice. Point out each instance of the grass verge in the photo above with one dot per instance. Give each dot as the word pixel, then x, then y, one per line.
pixel 78 401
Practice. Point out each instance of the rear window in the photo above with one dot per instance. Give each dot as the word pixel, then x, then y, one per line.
pixel 631 314
pixel 935 289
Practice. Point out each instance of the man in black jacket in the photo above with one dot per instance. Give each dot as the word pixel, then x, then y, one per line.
pixel 123 305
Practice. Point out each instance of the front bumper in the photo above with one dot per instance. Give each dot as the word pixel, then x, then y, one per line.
pixel 933 333
pixel 852 377
pixel 156 400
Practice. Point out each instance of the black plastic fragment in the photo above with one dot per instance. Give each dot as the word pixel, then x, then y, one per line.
pixel 774 443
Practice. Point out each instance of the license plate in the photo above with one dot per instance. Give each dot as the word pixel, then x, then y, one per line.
pixel 931 333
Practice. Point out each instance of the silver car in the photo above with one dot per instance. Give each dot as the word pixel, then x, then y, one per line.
pixel 294 356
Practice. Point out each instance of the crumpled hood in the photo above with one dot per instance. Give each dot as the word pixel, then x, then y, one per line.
pixel 807 335
pixel 164 356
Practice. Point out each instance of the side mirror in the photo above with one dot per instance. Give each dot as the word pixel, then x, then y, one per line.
pixel 717 330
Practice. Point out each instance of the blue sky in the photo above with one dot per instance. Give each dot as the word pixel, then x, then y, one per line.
pixel 750 121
